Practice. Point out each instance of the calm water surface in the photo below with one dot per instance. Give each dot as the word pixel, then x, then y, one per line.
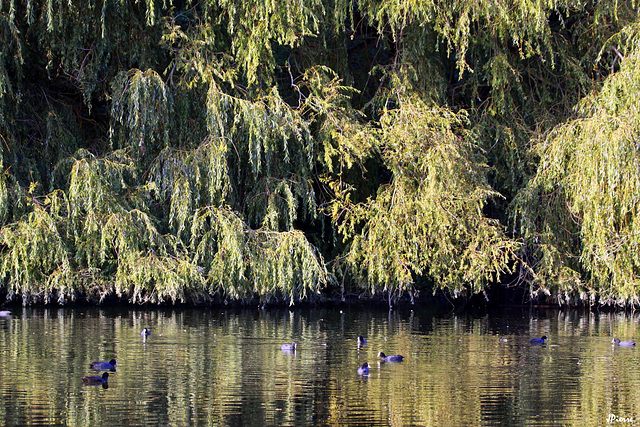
pixel 225 367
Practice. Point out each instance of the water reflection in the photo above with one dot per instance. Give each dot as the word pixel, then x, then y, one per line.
pixel 97 380
pixel 211 367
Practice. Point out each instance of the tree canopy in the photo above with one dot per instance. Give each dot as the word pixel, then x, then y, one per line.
pixel 225 150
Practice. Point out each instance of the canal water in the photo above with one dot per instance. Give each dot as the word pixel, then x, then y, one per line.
pixel 226 367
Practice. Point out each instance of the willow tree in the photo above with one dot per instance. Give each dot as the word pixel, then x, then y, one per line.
pixel 428 220
pixel 144 193
pixel 517 67
pixel 580 212
pixel 232 150
pixel 496 60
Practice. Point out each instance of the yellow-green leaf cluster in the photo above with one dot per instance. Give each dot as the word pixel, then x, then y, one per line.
pixel 429 219
pixel 588 181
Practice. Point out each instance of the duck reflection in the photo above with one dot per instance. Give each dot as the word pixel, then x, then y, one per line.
pixel 94 380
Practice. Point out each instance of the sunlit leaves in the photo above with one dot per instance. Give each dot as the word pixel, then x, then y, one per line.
pixel 243 263
pixel 150 267
pixel 139 111
pixel 253 27
pixel 342 131
pixel 266 130
pixel 179 149
pixel 97 183
pixel 523 24
pixel 589 180
pixel 429 219
pixel 157 279
pixel 36 255
pixel 191 179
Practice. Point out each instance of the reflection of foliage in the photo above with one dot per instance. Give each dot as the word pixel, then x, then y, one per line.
pixel 182 151
pixel 216 356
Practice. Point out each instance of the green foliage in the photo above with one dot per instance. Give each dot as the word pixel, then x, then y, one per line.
pixel 581 208
pixel 253 27
pixel 140 112
pixel 242 263
pixel 146 270
pixel 10 57
pixel 429 219
pixel 462 23
pixel 267 131
pixel 341 130
pixel 192 178
pixel 276 142
pixel 199 151
pixel 36 259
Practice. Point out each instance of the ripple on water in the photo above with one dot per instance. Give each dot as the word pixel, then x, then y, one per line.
pixel 209 367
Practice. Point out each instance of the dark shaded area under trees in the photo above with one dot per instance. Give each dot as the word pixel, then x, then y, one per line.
pixel 229 151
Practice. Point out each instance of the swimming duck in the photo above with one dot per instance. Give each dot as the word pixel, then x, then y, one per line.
pixel 623 343
pixel 364 369
pixel 361 340
pixel 145 332
pixel 393 358
pixel 96 380
pixel 104 366
pixel 538 341
pixel 288 347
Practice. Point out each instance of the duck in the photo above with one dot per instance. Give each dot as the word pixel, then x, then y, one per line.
pixel 96 380
pixel 288 347
pixel 104 366
pixel 393 358
pixel 5 313
pixel 538 341
pixel 145 332
pixel 364 369
pixel 617 342
pixel 361 340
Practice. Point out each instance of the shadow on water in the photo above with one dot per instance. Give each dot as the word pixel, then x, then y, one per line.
pixel 227 367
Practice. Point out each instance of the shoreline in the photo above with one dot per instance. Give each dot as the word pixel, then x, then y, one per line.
pixel 437 302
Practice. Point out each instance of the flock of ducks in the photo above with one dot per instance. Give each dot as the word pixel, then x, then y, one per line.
pixel 362 370
pixel 543 340
pixel 112 365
